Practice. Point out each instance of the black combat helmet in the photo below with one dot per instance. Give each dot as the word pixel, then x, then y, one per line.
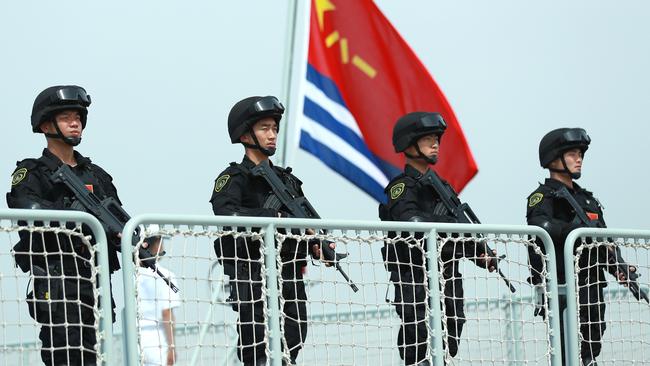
pixel 245 113
pixel 58 98
pixel 555 143
pixel 412 126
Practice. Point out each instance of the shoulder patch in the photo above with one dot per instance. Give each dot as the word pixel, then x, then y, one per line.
pixel 397 190
pixel 18 176
pixel 535 199
pixel 221 182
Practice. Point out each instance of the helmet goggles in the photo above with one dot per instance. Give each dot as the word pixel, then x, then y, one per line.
pixel 67 95
pixel 268 105
pixel 575 136
pixel 431 120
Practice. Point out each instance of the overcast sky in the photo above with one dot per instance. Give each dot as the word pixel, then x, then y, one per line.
pixel 164 74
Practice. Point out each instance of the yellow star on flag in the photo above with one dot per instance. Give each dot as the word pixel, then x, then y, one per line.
pixel 321 7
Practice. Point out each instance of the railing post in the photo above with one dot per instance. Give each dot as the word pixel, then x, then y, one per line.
pixel 130 328
pixel 571 319
pixel 104 276
pixel 102 271
pixel 434 299
pixel 273 294
pixel 553 303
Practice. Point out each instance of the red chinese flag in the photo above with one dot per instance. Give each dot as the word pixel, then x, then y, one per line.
pixel 380 79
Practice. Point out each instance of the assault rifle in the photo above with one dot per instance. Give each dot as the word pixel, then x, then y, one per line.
pixel 108 211
pixel 463 214
pixel 614 256
pixel 300 207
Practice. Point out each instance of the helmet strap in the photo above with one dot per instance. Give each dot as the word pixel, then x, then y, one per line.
pixel 566 169
pixel 72 141
pixel 420 155
pixel 267 152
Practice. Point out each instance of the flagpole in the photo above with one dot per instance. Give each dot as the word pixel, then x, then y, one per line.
pixel 295 68
pixel 281 153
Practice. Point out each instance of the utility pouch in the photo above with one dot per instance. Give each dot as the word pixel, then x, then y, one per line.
pixel 46 297
pixel 241 286
pixel 240 292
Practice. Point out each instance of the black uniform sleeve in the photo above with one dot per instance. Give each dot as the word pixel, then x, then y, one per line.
pixel 107 183
pixel 109 190
pixel 606 252
pixel 294 182
pixel 594 205
pixel 540 213
pixel 405 198
pixel 227 197
pixel 403 204
pixel 26 192
pixel 27 189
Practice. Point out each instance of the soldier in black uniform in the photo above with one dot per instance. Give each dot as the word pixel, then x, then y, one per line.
pixel 411 198
pixel 67 328
pixel 254 122
pixel 561 151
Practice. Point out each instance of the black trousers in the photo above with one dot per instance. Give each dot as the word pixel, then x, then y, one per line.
pixel 251 322
pixel 69 337
pixel 411 304
pixel 592 320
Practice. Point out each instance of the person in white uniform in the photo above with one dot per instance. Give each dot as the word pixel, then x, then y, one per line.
pixel 156 304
